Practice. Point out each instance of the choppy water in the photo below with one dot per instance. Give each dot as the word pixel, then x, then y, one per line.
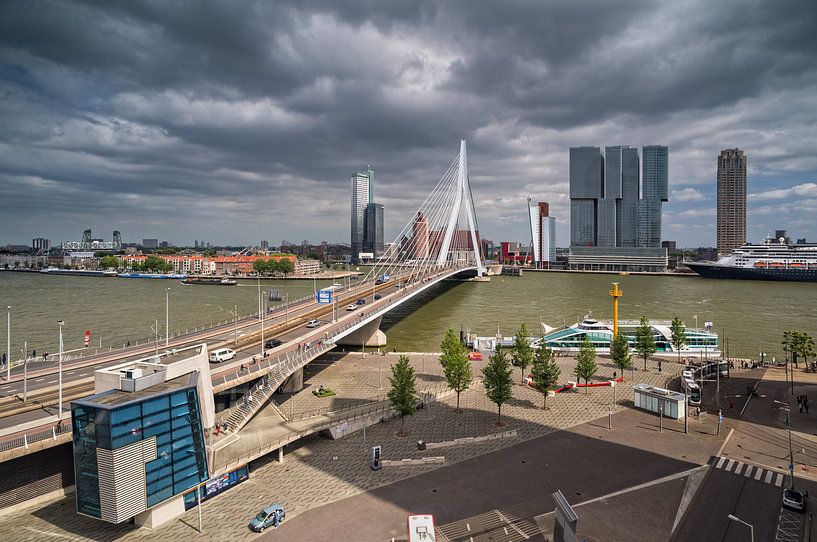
pixel 752 314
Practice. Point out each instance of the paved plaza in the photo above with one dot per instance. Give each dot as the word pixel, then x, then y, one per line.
pixel 317 470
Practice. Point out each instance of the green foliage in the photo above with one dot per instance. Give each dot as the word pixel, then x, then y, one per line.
pixel 522 350
pixel 678 335
pixel 620 352
pixel 108 262
pixel 644 340
pixel 545 372
pixel 156 265
pixel 456 365
pixel 286 266
pixel 497 380
pixel 402 392
pixel 798 344
pixel 586 362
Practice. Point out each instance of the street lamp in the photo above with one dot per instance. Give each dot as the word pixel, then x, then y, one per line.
pixel 167 316
pixel 751 527
pixel 235 321
pixel 59 385
pixel 8 344
pixel 155 329
pixel 263 317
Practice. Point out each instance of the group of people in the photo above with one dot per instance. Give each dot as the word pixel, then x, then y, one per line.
pixel 802 401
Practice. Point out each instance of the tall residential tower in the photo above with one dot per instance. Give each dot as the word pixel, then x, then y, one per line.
pixel 731 200
pixel 362 195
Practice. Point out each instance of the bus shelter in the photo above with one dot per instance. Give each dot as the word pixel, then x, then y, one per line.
pixel 651 398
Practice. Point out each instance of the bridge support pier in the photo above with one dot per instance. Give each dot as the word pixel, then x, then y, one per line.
pixel 368 335
pixel 295 382
pixel 281 454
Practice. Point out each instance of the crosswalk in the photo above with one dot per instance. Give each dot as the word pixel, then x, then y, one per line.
pixel 752 472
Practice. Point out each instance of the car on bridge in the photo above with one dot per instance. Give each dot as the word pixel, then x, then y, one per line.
pixel 221 354
pixel 377 296
pixel 352 307
pixel 313 323
pixel 272 343
pixel 361 301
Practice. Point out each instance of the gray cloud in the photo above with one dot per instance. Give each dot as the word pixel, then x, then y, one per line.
pixel 239 121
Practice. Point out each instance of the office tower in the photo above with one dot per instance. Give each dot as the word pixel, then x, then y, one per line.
pixel 586 175
pixel 615 225
pixel 150 243
pixel 41 243
pixel 419 237
pixel 731 200
pixel 265 245
pixel 362 195
pixel 655 187
pixel 543 233
pixel 374 229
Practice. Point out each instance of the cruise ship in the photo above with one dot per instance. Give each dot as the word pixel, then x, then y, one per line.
pixel 773 260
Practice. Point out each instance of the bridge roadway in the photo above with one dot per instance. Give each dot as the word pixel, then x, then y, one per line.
pixel 17 419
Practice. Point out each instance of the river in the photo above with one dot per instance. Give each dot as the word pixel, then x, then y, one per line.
pixel 751 314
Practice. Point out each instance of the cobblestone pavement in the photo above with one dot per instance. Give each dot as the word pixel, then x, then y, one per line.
pixel 311 477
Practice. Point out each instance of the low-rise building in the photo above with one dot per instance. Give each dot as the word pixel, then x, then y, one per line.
pixel 307 267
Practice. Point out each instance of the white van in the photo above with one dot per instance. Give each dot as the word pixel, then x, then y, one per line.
pixel 222 354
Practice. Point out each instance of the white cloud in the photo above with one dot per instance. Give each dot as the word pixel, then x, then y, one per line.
pixel 687 194
pixel 805 190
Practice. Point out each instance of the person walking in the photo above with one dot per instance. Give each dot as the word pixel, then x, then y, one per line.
pixel 800 402
pixel 805 404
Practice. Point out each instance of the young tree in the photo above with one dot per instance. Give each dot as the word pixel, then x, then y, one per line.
pixel 620 352
pixel 456 365
pixel 498 382
pixel 108 262
pixel 586 363
pixel 402 392
pixel 678 335
pixel 545 372
pixel 522 350
pixel 644 340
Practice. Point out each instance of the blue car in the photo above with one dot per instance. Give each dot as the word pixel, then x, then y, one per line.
pixel 270 516
pixel 361 301
pixel 377 296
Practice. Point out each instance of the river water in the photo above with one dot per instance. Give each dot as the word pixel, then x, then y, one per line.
pixel 751 314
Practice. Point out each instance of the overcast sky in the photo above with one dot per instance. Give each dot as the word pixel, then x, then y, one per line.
pixel 236 121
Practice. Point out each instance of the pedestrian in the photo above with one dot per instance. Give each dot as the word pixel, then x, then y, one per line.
pixel 128 343
pixel 805 404
pixel 800 402
pixel 34 354
pixel 614 375
pixel 3 359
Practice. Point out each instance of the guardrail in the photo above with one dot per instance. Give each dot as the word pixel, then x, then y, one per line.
pixel 29 438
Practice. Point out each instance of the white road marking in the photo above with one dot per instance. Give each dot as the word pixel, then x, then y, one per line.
pixel 720 462
pixel 779 481
pixel 39 379
pixel 768 477
pixel 759 473
pixel 729 465
pixel 739 468
pixel 748 471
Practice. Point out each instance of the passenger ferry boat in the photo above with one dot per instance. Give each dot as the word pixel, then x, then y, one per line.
pixel 773 260
pixel 78 272
pixel 569 339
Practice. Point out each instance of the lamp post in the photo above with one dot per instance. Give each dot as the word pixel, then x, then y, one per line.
pixel 167 316
pixel 25 372
pixel 696 320
pixel 59 385
pixel 751 527
pixel 155 329
pixel 8 343
pixel 234 312
pixel 263 313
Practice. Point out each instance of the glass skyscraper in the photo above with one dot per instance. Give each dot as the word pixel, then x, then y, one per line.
pixel 362 195
pixel 373 240
pixel 611 211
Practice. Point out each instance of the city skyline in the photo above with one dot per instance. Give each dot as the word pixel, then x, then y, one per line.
pixel 255 140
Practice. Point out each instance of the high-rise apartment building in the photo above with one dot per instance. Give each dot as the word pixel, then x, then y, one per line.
pixel 615 223
pixel 362 192
pixel 419 243
pixel 41 243
pixel 543 233
pixel 731 200
pixel 373 222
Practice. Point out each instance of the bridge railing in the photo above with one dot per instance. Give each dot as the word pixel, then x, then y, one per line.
pixel 25 440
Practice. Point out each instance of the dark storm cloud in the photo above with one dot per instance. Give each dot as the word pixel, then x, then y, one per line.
pixel 236 121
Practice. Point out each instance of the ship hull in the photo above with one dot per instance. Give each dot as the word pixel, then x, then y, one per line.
pixel 715 271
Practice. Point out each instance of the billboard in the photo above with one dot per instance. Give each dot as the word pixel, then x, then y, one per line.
pixel 325 296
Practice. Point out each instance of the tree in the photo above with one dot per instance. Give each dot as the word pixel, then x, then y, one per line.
pixel 522 350
pixel 156 264
pixel 108 262
pixel 260 266
pixel 678 335
pixel 620 352
pixel 456 365
pixel 402 392
pixel 644 340
pixel 285 266
pixel 498 382
pixel 586 362
pixel 545 372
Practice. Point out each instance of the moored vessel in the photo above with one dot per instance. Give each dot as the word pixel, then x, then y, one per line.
pixel 210 281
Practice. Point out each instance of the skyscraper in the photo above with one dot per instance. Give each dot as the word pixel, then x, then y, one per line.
pixel 362 195
pixel 614 224
pixel 543 233
pixel 731 200
pixel 373 241
pixel 419 238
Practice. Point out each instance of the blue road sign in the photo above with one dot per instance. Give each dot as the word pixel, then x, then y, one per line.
pixel 324 296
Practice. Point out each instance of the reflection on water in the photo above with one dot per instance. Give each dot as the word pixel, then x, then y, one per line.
pixel 752 314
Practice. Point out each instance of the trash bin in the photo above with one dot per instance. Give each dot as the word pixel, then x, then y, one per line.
pixel 421 445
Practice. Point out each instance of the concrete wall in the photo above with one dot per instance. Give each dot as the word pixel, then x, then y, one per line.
pixel 368 334
pixel 161 513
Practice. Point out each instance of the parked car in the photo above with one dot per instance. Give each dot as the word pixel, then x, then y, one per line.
pixel 795 499
pixel 377 296
pixel 313 323
pixel 351 307
pixel 361 301
pixel 272 343
pixel 270 516
pixel 221 354
pixel 475 356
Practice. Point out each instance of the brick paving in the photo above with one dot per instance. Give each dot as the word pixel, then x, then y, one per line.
pixel 310 477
